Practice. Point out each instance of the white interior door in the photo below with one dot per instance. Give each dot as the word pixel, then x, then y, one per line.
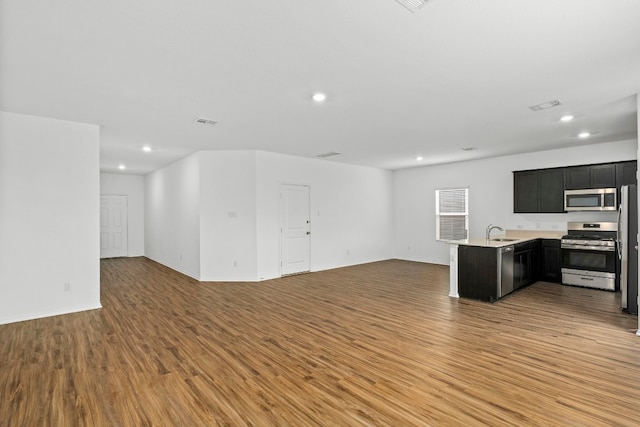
pixel 294 229
pixel 113 226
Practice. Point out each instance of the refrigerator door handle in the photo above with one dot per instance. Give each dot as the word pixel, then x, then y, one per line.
pixel 618 234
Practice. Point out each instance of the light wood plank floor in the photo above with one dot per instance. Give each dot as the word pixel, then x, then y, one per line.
pixel 378 344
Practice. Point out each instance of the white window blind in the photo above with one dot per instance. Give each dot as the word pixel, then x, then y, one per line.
pixel 452 214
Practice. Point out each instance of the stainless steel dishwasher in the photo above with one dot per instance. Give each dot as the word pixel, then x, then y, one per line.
pixel 505 270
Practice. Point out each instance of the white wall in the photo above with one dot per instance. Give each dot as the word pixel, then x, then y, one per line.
pixel 228 216
pixel 49 217
pixel 351 211
pixel 490 183
pixel 172 216
pixel 131 186
pixel 226 202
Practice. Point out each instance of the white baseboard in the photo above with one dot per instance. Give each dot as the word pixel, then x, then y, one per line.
pixel 41 315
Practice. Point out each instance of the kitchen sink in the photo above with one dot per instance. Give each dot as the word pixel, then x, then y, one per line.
pixel 500 239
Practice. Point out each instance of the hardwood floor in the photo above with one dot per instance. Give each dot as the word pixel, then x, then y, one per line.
pixel 377 344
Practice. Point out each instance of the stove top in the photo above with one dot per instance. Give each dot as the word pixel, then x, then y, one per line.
pixel 600 236
pixel 593 237
pixel 591 231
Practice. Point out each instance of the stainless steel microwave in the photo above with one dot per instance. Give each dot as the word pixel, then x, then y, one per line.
pixel 598 199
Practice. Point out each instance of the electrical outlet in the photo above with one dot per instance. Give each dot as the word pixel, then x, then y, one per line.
pixel 67 287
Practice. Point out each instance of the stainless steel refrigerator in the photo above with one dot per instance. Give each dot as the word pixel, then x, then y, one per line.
pixel 628 247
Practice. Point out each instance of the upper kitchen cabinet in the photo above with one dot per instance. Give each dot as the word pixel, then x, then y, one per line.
pixel 551 194
pixel 525 191
pixel 626 173
pixel 576 177
pixel 590 176
pixel 538 191
pixel 542 190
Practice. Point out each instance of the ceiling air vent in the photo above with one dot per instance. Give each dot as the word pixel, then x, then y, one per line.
pixel 204 121
pixel 413 5
pixel 329 154
pixel 545 105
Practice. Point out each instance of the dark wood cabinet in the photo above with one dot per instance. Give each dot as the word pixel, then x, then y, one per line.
pixel 576 177
pixel 538 191
pixel 521 269
pixel 590 176
pixel 603 176
pixel 551 190
pixel 550 261
pixel 525 191
pixel 478 273
pixel 525 263
pixel 533 260
pixel 542 190
pixel 626 173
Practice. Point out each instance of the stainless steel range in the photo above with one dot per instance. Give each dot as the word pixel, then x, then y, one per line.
pixel 589 255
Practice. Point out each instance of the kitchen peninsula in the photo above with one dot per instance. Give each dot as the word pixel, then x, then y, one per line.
pixel 488 269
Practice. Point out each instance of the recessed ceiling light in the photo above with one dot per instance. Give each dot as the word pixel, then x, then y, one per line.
pixel 319 97
pixel 566 118
pixel 122 167
pixel 419 158
pixel 584 135
pixel 146 148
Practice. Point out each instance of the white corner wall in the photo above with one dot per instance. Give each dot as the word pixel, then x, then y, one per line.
pixel 228 216
pixel 351 211
pixel 490 183
pixel 219 210
pixel 172 216
pixel 131 186
pixel 49 217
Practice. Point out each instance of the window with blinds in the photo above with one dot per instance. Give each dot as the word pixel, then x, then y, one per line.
pixel 452 214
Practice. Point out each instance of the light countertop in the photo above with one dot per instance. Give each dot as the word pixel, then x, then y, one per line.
pixel 519 236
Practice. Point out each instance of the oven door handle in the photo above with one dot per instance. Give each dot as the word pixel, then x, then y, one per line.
pixel 589 248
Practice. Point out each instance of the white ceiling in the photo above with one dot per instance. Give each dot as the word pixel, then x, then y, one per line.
pixel 457 73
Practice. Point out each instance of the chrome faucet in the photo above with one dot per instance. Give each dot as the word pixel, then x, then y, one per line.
pixel 490 228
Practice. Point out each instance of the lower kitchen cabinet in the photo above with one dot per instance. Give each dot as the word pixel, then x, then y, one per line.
pixel 533 260
pixel 477 273
pixel 550 265
pixel 525 263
